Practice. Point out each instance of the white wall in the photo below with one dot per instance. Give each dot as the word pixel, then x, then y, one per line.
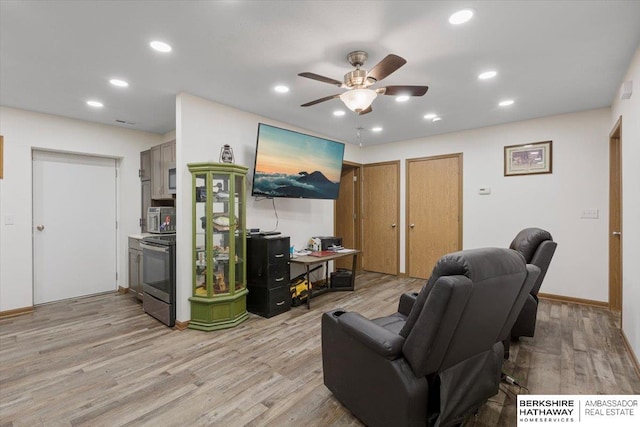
pixel 630 111
pixel 202 128
pixel 551 201
pixel 24 131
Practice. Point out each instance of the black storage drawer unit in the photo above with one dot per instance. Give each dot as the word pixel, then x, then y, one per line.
pixel 269 302
pixel 268 275
pixel 267 261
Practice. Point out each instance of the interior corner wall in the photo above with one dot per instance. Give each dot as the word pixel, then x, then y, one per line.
pixel 202 128
pixel 24 131
pixel 550 201
pixel 629 110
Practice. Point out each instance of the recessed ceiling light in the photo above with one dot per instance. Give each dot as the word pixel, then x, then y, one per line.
pixel 436 119
pixel 429 116
pixel 461 16
pixel 338 113
pixel 487 75
pixel 506 102
pixel 96 104
pixel 402 98
pixel 160 46
pixel 376 129
pixel 281 89
pixel 118 82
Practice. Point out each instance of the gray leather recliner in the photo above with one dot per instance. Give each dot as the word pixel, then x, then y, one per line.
pixel 537 247
pixel 439 358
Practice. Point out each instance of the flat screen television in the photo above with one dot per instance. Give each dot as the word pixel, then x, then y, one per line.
pixel 295 165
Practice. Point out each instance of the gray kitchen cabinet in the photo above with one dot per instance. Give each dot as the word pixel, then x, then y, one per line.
pixel 145 165
pixel 135 268
pixel 163 157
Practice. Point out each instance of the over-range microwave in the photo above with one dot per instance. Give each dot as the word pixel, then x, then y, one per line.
pixel 171 185
pixel 161 219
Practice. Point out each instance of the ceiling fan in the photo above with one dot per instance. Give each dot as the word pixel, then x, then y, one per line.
pixel 359 96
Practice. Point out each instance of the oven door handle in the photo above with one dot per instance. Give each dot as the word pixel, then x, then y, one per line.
pixel 154 248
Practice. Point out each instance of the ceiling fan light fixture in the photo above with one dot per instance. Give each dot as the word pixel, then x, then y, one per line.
pixel 402 98
pixel 358 99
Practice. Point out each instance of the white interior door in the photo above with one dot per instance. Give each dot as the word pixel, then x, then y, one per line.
pixel 74 226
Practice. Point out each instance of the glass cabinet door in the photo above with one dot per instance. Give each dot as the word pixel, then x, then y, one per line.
pixel 221 221
pixel 240 231
pixel 199 241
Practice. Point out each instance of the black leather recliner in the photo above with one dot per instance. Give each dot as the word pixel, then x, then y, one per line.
pixel 439 358
pixel 537 247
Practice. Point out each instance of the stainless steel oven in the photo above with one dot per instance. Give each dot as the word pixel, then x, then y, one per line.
pixel 159 277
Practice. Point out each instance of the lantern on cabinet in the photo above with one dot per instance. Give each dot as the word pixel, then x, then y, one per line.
pixel 226 154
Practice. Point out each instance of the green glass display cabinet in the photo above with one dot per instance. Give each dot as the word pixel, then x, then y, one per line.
pixel 219 294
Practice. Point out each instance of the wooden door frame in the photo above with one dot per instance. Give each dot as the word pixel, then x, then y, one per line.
pixel 390 162
pixel 459 156
pixel 615 207
pixel 357 207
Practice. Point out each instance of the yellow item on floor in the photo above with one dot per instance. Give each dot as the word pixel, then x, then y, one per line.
pixel 298 290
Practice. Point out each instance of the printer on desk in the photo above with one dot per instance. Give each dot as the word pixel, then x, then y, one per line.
pixel 325 243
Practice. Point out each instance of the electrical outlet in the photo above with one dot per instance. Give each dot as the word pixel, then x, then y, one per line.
pixel 589 214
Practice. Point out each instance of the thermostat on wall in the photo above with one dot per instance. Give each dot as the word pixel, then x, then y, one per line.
pixel 484 190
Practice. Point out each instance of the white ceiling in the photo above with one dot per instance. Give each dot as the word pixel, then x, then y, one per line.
pixel 552 57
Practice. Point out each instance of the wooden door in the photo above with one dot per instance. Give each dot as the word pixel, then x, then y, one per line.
pixel 615 218
pixel 74 226
pixel 381 212
pixel 347 214
pixel 434 211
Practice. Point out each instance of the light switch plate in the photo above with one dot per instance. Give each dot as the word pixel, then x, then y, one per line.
pixel 589 214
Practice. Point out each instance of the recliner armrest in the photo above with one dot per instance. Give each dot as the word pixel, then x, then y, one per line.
pixel 384 342
pixel 406 302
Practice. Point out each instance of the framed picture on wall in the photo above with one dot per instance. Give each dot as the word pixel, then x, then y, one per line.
pixel 527 159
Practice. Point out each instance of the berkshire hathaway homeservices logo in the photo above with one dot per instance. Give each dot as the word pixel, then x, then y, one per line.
pixel 582 410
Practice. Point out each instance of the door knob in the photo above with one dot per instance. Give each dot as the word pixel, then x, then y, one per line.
pixel 40 227
pixel 393 225
pixel 411 225
pixel 617 233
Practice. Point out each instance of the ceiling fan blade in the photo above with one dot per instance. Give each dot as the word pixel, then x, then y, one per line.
pixel 385 67
pixel 366 110
pixel 403 90
pixel 320 78
pixel 318 101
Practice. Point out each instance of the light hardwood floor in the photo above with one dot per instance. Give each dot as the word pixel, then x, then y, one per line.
pixel 100 361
